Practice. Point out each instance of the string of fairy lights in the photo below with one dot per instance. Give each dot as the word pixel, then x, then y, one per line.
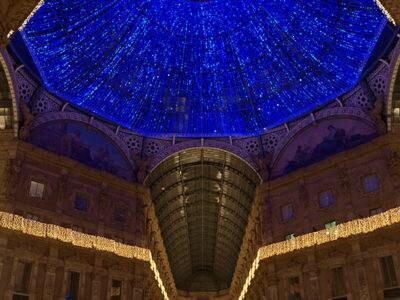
pixel 38 229
pixel 342 231
pixel 33 228
pixel 202 68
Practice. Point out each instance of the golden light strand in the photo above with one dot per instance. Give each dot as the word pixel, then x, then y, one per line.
pixel 385 11
pixel 37 7
pixel 341 231
pixel 42 230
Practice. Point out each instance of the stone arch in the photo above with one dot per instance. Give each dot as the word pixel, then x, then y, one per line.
pixel 393 101
pixel 199 143
pixel 346 114
pixel 180 187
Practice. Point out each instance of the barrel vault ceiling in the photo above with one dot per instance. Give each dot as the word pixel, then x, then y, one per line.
pixel 203 198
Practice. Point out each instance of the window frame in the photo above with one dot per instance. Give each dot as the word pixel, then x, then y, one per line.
pixel 16 290
pixel 363 183
pixel 36 195
pixel 333 199
pixel 116 278
pixel 282 212
pixel 120 208
pixel 334 282
pixel 83 196
pixel 68 282
pixel 383 277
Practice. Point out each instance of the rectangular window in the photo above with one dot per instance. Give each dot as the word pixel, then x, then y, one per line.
pixel 5 115
pixel 388 271
pixel 73 286
pixel 287 212
pixel 326 199
pixel 120 214
pixel 371 183
pixel 294 288
pixel 330 225
pixel 116 290
pixel 80 203
pixel 376 211
pixel 36 189
pixel 338 283
pixel 391 294
pixel 22 278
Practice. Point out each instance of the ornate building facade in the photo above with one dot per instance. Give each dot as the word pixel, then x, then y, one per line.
pixel 90 209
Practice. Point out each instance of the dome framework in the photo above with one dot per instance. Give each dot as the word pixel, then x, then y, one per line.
pixel 202 68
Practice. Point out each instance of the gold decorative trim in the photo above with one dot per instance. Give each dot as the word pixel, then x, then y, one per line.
pixel 385 11
pixel 37 7
pixel 5 66
pixel 341 231
pixel 54 232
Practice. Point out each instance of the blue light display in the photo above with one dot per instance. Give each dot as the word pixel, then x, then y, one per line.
pixel 202 68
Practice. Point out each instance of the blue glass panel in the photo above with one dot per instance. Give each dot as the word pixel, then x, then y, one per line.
pixel 202 68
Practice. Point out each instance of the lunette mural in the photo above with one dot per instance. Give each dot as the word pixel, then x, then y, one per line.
pixel 82 143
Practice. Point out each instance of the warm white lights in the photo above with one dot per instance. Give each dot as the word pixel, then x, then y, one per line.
pixel 41 2
pixel 38 229
pixel 385 11
pixel 340 231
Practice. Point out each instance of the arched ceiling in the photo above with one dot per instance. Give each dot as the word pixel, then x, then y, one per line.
pixel 201 68
pixel 203 198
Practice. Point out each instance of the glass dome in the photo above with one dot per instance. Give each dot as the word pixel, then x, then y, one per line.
pixel 205 67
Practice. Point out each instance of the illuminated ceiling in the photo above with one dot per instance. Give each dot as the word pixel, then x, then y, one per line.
pixel 201 68
pixel 203 198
